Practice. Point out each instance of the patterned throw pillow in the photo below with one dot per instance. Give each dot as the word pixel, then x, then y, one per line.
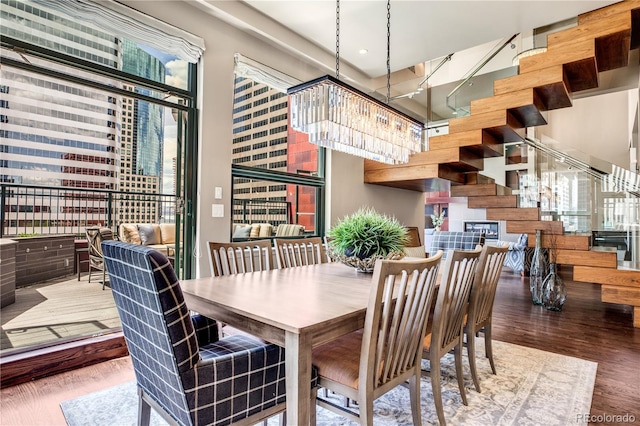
pixel 266 230
pixel 255 230
pixel 129 233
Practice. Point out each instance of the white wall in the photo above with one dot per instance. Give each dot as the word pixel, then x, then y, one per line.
pixel 347 193
pixel 598 125
pixel 215 99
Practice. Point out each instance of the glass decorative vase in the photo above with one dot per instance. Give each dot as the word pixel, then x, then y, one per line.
pixel 554 292
pixel 538 270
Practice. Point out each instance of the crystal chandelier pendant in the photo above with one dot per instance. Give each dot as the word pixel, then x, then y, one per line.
pixel 340 117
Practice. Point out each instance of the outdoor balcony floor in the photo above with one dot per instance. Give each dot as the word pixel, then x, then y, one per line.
pixel 58 309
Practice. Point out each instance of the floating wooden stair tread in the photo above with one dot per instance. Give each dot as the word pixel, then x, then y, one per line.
pixel 475 178
pixel 481 190
pixel 592 30
pixel 504 126
pixel 569 242
pixel 587 258
pixel 532 213
pixel 530 227
pixel 617 277
pixel 507 201
pixel 525 105
pixel 478 141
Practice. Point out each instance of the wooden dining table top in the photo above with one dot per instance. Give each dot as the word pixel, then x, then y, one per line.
pixel 291 299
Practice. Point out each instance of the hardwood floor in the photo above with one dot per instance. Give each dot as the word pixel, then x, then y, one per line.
pixel 586 328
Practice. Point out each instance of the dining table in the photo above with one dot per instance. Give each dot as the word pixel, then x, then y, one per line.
pixel 296 308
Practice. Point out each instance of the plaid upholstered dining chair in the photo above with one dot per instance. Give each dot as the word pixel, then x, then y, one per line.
pixel 183 371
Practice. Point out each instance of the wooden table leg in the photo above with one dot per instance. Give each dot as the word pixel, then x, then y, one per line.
pixel 298 373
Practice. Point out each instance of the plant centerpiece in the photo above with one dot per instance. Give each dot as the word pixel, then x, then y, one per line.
pixel 360 239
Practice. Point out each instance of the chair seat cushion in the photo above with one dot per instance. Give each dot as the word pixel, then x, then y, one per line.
pixel 339 359
pixel 240 375
pixel 426 345
pixel 417 251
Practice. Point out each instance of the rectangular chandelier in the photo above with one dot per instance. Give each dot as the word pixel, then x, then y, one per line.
pixel 340 117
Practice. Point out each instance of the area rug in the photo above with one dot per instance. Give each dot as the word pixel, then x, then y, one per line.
pixel 531 387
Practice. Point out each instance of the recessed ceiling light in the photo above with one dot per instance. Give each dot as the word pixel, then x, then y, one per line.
pixel 363 51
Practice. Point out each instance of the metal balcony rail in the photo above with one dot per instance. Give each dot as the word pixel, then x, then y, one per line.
pixel 261 211
pixel 41 210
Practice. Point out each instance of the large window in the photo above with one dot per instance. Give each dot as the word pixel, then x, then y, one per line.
pixel 97 129
pixel 278 175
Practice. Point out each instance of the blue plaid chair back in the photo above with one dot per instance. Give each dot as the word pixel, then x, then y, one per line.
pixel 155 320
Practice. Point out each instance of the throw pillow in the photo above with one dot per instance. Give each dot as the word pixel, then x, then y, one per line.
pixel 242 232
pixel 255 230
pixel 148 234
pixel 266 230
pixel 129 233
pixel 168 233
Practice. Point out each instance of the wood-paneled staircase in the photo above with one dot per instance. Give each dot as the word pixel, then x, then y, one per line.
pixel 602 41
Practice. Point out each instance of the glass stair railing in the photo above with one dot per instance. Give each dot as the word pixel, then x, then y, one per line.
pixel 459 99
pixel 589 196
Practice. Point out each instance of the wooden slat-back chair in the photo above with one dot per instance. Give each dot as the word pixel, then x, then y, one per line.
pixel 366 364
pixel 299 252
pixel 483 294
pixel 238 258
pixel 451 307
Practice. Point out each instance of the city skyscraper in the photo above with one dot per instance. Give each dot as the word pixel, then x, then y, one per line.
pixel 142 137
pixel 61 133
pixel 263 139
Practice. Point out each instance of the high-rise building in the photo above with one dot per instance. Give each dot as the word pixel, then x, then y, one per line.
pixel 59 133
pixel 142 136
pixel 262 139
pixel 55 132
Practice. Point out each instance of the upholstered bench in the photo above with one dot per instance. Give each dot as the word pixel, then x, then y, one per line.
pixel 452 240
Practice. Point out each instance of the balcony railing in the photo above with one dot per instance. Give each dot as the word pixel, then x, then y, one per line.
pixel 39 210
pixel 261 211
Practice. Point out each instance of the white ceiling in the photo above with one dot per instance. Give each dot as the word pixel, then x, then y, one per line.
pixel 421 30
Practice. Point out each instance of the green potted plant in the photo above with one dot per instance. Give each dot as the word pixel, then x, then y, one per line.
pixel 363 237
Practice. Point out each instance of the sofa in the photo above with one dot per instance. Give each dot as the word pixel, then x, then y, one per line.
pixel 453 240
pixel 244 231
pixel 161 237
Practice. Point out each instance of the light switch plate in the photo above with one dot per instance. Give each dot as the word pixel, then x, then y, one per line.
pixel 217 193
pixel 217 210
